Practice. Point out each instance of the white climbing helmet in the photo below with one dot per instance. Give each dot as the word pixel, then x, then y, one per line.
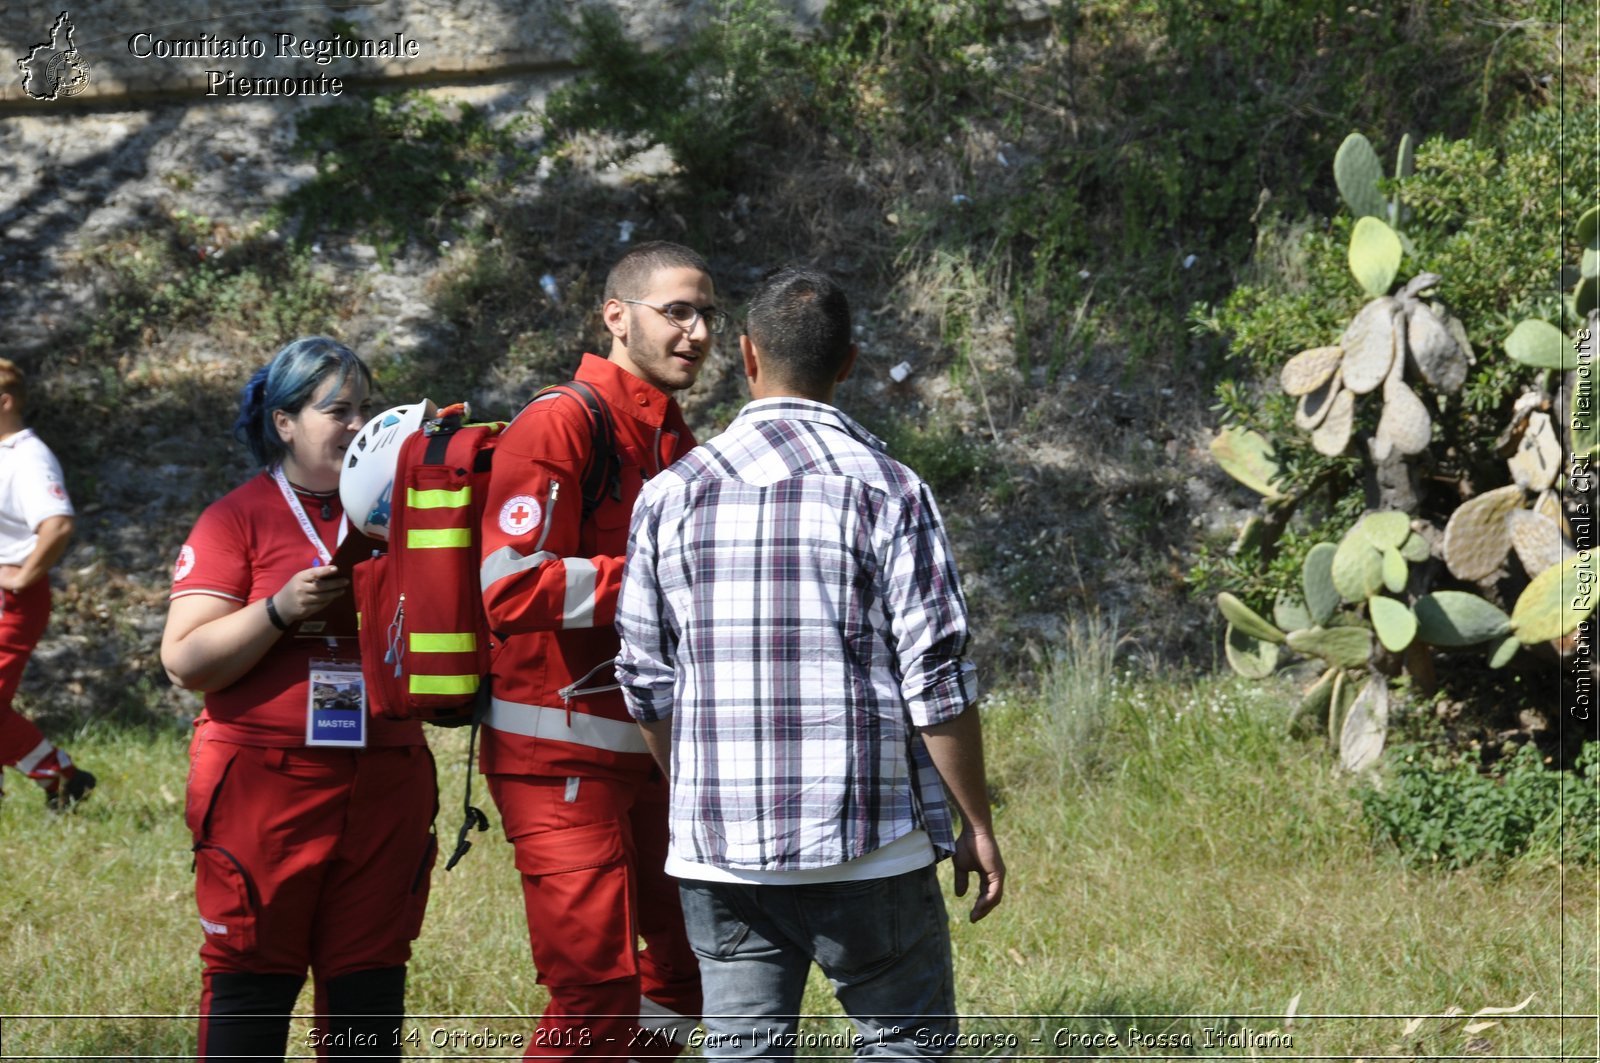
pixel 367 478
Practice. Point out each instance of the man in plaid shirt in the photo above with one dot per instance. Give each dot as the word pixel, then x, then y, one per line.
pixel 792 644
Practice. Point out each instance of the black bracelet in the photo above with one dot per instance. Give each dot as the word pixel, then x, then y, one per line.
pixel 272 615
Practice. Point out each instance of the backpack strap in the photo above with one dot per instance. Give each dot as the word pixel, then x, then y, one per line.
pixel 602 473
pixel 473 817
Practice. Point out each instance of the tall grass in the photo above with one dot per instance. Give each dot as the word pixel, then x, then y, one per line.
pixel 1176 865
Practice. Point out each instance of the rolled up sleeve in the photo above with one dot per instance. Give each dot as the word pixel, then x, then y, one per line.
pixel 927 615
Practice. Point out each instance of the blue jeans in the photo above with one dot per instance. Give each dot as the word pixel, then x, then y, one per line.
pixel 883 943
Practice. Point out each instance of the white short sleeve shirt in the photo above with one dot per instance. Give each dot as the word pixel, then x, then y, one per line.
pixel 31 492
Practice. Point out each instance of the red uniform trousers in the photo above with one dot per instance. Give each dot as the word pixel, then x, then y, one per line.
pixel 591 852
pixel 23 617
pixel 308 857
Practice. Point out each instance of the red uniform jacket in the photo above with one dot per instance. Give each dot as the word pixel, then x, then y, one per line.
pixel 550 579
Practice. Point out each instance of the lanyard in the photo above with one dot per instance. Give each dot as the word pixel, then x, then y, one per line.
pixel 300 515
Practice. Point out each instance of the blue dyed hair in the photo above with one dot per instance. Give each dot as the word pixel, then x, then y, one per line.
pixel 287 383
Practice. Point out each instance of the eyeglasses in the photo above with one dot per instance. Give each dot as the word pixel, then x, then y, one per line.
pixel 684 315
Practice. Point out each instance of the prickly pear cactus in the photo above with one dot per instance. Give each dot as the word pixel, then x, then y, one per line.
pixel 1396 591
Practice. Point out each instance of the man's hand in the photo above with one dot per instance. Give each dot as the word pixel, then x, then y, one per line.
pixel 10 578
pixel 980 854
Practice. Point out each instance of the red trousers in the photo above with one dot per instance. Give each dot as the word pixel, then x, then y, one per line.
pixel 308 857
pixel 22 621
pixel 591 853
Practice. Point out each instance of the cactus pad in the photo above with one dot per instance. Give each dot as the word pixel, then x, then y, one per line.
pixel 1356 171
pixel 1412 290
pixel 1405 159
pixel 1415 549
pixel 1476 540
pixel 1405 423
pixel 1316 579
pixel 1438 357
pixel 1503 652
pixel 1339 704
pixel 1537 540
pixel 1538 458
pixel 1313 406
pixel 1548 504
pixel 1289 614
pixel 1556 602
pixel 1375 254
pixel 1382 530
pixel 1247 457
pixel 1348 647
pixel 1395 570
pixel 1456 618
pixel 1315 702
pixel 1309 370
pixel 1541 345
pixel 1395 624
pixel 1368 344
pixel 1252 658
pixel 1333 434
pixel 1365 726
pixel 1247 620
pixel 1586 293
pixel 1357 567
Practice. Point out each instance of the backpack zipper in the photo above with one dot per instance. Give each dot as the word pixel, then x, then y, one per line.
pixel 396 628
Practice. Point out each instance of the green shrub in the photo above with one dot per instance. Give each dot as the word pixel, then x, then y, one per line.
pixel 193 272
pixel 394 166
pixel 939 452
pixel 712 101
pixel 1448 811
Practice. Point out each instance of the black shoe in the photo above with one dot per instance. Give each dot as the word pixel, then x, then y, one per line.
pixel 68 793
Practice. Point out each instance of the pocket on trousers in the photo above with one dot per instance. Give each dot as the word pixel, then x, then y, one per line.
pixel 554 852
pixel 858 923
pixel 226 897
pixel 208 769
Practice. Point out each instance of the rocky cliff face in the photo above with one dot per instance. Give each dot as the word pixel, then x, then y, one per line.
pixel 100 51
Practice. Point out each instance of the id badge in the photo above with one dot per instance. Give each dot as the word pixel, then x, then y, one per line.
pixel 337 712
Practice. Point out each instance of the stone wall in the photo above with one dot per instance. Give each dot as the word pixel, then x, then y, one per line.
pixel 120 50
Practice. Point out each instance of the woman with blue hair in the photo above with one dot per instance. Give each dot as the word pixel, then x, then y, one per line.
pixel 312 822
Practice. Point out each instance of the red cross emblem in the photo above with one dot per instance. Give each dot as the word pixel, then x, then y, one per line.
pixel 520 515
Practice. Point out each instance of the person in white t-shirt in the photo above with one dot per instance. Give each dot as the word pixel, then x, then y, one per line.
pixel 36 523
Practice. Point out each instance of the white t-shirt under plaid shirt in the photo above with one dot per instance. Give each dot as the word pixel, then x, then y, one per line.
pixel 791 598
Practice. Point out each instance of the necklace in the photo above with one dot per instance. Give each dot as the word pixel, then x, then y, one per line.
pixel 324 497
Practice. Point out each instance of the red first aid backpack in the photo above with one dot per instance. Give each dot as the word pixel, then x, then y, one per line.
pixel 424 636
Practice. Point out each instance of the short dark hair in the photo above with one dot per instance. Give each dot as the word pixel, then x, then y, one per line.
pixel 800 320
pixel 630 277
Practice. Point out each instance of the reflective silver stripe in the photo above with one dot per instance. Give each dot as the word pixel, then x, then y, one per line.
pixel 536 721
pixel 578 610
pixel 38 753
pixel 507 562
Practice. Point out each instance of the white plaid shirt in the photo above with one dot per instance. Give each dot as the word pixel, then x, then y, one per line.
pixel 790 597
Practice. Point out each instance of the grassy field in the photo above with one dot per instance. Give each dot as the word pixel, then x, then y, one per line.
pixel 1178 870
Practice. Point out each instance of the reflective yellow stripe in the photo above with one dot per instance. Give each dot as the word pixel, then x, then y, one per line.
pixel 444 684
pixel 434 538
pixel 443 642
pixel 439 498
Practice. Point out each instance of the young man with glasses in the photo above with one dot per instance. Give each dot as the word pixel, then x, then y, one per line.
pixel 581 799
pixel 793 637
